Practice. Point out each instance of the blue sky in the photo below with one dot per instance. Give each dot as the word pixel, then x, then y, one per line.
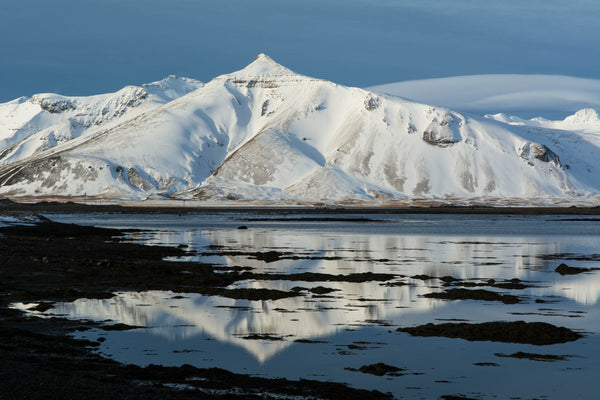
pixel 82 47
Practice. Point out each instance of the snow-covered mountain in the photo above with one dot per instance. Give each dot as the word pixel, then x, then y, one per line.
pixel 31 125
pixel 266 133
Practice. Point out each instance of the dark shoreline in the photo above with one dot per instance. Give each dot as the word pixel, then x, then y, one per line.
pixel 40 359
pixel 71 207
pixel 50 262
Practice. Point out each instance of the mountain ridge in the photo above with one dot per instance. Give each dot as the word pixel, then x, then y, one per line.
pixel 265 133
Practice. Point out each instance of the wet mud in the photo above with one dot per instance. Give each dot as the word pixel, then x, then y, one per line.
pixel 380 369
pixel 71 262
pixel 67 205
pixel 512 284
pixel 534 356
pixel 319 277
pixel 473 294
pixel 50 262
pixel 536 333
pixel 564 269
pixel 40 360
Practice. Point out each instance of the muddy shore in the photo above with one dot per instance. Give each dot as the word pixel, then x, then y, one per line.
pixel 50 262
pixel 7 205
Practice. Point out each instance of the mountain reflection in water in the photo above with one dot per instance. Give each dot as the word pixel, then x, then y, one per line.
pixel 351 304
pixel 471 251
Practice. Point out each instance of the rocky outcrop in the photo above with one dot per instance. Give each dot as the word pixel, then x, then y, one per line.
pixel 48 172
pixel 441 133
pixel 531 151
pixel 54 105
pixel 136 180
pixel 371 103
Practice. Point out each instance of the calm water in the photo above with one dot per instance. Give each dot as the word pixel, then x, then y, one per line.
pixel 356 324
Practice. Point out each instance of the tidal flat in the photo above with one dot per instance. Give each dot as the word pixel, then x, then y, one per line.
pixel 336 299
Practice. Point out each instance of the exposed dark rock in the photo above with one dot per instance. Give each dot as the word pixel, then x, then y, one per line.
pixel 395 284
pixel 259 336
pixel 477 294
pixel 119 327
pixel 533 356
pixel 371 103
pixel 136 180
pixel 268 256
pixel 264 108
pixel 48 228
pixel 537 333
pixel 423 277
pixel 380 369
pixel 514 284
pixel 317 277
pixel 308 341
pixel 42 306
pixel 54 106
pixel 440 133
pixel 47 171
pixel 540 152
pixel 564 269
pixel 322 290
pixel 431 138
pixel 448 279
pixel 299 289
pixel 262 83
pixel 251 294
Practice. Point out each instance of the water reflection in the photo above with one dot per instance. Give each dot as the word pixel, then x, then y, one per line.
pixel 351 304
pixel 227 320
pixel 463 257
pixel 363 311
pixel 583 288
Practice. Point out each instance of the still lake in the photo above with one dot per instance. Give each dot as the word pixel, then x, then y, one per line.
pixel 330 332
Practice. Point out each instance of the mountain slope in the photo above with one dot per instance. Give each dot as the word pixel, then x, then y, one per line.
pixel 266 133
pixel 30 126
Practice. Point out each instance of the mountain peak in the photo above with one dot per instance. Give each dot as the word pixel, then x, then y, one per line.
pixel 263 56
pixel 586 119
pixel 263 66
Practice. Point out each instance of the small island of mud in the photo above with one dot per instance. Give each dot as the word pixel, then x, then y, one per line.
pixel 537 333
pixel 473 294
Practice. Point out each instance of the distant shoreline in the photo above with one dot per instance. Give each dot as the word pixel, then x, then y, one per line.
pixel 8 206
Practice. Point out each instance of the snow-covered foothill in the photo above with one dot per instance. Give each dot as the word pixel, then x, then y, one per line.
pixel 583 121
pixel 32 125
